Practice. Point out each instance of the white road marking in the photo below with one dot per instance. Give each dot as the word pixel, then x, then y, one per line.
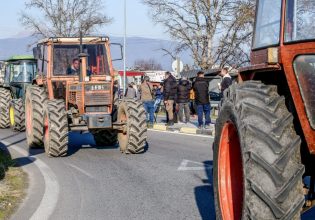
pixel 178 133
pixel 81 170
pixel 197 166
pixel 51 194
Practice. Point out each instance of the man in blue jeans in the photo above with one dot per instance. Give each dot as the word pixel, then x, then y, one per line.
pixel 201 88
pixel 147 98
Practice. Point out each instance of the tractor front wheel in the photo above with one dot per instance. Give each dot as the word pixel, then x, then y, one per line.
pixel 35 97
pixel 5 99
pixel 257 171
pixel 17 115
pixel 56 128
pixel 132 139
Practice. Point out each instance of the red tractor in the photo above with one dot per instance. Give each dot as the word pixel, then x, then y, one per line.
pixel 265 132
pixel 74 91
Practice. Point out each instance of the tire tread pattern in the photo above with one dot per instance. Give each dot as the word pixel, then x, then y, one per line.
pixel 137 127
pixel 57 145
pixel 19 115
pixel 5 99
pixel 37 97
pixel 273 180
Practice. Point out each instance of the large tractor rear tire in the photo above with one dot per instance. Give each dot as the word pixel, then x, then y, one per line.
pixel 105 137
pixel 17 115
pixel 56 129
pixel 5 99
pixel 133 138
pixel 35 98
pixel 257 171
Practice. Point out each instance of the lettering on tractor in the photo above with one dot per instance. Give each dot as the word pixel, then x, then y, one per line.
pixel 74 91
pixel 16 75
pixel 265 137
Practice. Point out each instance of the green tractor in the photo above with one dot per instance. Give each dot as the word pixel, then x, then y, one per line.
pixel 15 75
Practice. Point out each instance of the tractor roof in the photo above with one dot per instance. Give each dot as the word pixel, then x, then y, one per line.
pixel 74 40
pixel 21 57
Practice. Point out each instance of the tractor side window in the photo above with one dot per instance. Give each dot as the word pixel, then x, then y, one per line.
pixel 42 63
pixel 300 21
pixel 66 59
pixel 267 29
pixel 304 67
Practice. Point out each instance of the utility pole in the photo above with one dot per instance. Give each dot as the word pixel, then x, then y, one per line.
pixel 125 36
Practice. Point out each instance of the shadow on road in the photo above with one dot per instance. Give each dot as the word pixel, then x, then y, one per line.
pixel 79 141
pixel 10 136
pixel 204 195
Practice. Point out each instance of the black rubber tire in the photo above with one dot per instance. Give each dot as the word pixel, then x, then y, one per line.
pixel 35 97
pixel 133 139
pixel 270 151
pixel 57 128
pixel 19 115
pixel 5 99
pixel 116 103
pixel 105 137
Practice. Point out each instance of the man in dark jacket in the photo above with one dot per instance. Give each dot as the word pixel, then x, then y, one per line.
pixel 170 90
pixel 183 92
pixel 201 88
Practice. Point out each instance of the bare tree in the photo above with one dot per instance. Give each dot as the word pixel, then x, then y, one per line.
pixel 149 64
pixel 217 32
pixel 64 18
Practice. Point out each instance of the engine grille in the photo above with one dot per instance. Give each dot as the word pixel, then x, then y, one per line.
pixel 91 109
pixel 97 99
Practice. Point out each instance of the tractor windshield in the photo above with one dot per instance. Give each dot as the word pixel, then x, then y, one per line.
pixel 66 60
pixel 300 20
pixel 22 72
pixel 267 29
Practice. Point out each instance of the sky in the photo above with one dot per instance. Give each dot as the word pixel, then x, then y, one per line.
pixel 138 21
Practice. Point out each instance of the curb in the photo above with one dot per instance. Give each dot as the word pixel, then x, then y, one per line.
pixel 184 130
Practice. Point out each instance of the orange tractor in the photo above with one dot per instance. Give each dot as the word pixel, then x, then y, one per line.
pixel 265 133
pixel 74 91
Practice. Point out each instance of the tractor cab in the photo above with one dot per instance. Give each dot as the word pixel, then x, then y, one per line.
pixel 79 71
pixel 19 72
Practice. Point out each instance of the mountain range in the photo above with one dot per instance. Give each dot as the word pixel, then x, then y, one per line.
pixel 137 48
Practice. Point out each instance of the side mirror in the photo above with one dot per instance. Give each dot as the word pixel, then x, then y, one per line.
pixel 37 53
pixel 117 52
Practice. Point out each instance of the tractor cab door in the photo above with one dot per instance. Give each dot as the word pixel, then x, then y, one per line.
pixel 298 58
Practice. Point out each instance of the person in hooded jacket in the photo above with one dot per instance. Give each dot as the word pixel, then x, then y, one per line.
pixel 183 93
pixel 170 90
pixel 201 88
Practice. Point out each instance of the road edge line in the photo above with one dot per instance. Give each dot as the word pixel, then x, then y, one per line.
pixel 49 200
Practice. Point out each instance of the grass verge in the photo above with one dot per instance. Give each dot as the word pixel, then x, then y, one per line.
pixel 13 182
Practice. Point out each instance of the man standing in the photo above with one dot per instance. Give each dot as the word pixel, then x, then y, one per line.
pixel 148 100
pixel 201 88
pixel 131 93
pixel 183 92
pixel 226 81
pixel 170 90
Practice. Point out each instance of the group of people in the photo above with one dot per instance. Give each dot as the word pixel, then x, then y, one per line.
pixel 178 97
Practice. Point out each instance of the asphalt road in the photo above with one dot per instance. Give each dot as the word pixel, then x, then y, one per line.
pixel 171 180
